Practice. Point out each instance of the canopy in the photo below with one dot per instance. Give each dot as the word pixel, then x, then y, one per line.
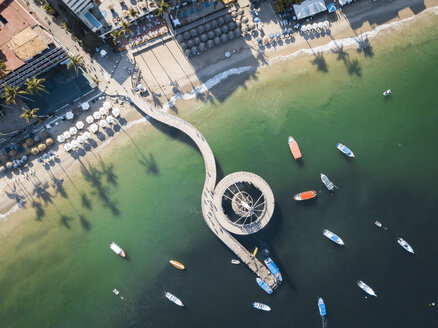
pixel 103 111
pixel 110 119
pixel 97 115
pixel 309 8
pixel 80 125
pixel 94 127
pixel 69 116
pixel 89 119
pixel 86 135
pixel 106 105
pixel 60 138
pixel 102 123
pixel 331 7
pixel 80 139
pixel 74 144
pixel 85 106
pixel 67 146
pixel 66 135
pixel 116 112
pixel 73 130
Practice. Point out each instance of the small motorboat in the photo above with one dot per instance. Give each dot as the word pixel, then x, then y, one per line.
pixel 321 306
pixel 403 243
pixel 177 265
pixel 380 225
pixel 366 288
pixel 233 261
pixel 326 181
pixel 344 149
pixel 305 195
pixel 173 299
pixel 273 268
pixel 264 285
pixel 333 237
pixel 293 145
pixel 117 249
pixel 261 306
pixel 116 292
pixel 387 92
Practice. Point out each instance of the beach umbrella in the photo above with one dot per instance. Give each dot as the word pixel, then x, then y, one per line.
pixel 49 141
pixel 190 44
pixel 24 158
pixel 80 125
pixel 259 40
pixel 85 106
pixel 256 20
pixel 187 52
pixel 89 119
pixel 73 130
pixel 86 135
pixel 97 115
pixel 326 24
pixel 231 25
pixel 29 141
pixel 42 147
pixel 107 105
pixel 227 54
pixel 94 127
pixel 237 32
pixel 186 35
pixel 193 32
pixel 194 50
pixel 231 35
pixel 217 40
pixel 180 38
pixel 245 20
pixel 115 112
pixel 103 111
pixel 66 135
pixel 260 27
pixel 221 21
pixel 238 23
pixel 67 146
pixel 200 29
pixel 285 32
pixel 102 123
pixel 208 27
pixel 304 28
pixel 271 36
pixel 80 139
pixel 278 35
pixel 204 37
pixel 240 11
pixel 214 24
pixel 13 152
pixel 46 156
pixel 202 46
pixel 48 126
pixel 251 26
pixel 74 144
pixel 110 119
pixel 224 38
pixel 60 138
pixel 183 45
pixel 217 31
pixel 34 151
pixel 69 115
pixel 210 44
pixel 234 14
pixel 9 165
pixel 197 40
pixel 244 28
pixel 2 169
pixel 228 18
pixel 224 29
pixel 211 35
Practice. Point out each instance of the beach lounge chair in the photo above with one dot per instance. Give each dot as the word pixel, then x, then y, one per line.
pixel 191 11
pixel 207 4
pixel 183 14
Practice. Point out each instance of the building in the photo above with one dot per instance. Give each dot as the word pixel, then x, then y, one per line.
pixel 309 8
pixel 25 46
pixel 83 9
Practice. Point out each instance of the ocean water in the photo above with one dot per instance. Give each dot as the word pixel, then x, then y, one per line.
pixel 57 269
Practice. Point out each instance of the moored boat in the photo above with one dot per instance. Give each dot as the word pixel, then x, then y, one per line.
pixel 293 145
pixel 326 181
pixel 117 249
pixel 273 268
pixel 387 92
pixel 177 264
pixel 173 299
pixel 344 149
pixel 403 243
pixel 366 288
pixel 261 306
pixel 233 261
pixel 264 285
pixel 116 291
pixel 333 237
pixel 321 306
pixel 305 195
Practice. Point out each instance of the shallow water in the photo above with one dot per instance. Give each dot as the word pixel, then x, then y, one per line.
pixel 61 271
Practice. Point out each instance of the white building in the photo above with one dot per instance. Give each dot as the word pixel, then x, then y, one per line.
pixel 309 8
pixel 83 9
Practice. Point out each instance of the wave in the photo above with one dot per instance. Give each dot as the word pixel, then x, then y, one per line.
pixel 13 209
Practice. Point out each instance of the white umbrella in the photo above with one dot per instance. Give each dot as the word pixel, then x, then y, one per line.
pixel 48 126
pixel 103 111
pixel 80 125
pixel 321 25
pixel 103 53
pixel 69 116
pixel 89 119
pixel 304 28
pixel 85 106
pixel 86 135
pixel 110 119
pixel 74 144
pixel 106 105
pixel 66 135
pixel 102 123
pixel 314 26
pixel 80 139
pixel 60 138
pixel 73 130
pixel 116 112
pixel 326 24
pixel 94 127
pixel 97 115
pixel 67 147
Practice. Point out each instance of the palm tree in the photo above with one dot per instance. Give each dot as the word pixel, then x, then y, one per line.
pixel 132 12
pixel 116 34
pixel 3 69
pixel 29 114
pixel 76 61
pixel 163 7
pixel 35 85
pixel 124 25
pixel 11 93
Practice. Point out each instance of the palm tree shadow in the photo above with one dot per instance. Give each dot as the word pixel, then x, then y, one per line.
pixel 58 185
pixel 39 210
pixel 85 201
pixel 320 62
pixel 150 164
pixel 65 221
pixel 364 46
pixel 41 192
pixel 339 50
pixel 353 67
pixel 85 223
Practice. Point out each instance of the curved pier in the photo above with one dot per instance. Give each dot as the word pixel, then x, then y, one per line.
pixel 212 195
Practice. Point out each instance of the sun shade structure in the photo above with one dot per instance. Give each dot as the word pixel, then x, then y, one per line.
pixel 66 135
pixel 86 135
pixel 116 112
pixel 97 115
pixel 85 106
pixel 60 138
pixel 67 146
pixel 309 8
pixel 107 105
pixel 74 144
pixel 102 123
pixel 69 116
pixel 103 111
pixel 94 127
pixel 110 119
pixel 80 139
pixel 89 119
pixel 73 130
pixel 80 125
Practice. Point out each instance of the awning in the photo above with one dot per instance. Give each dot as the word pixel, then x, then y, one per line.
pixel 309 8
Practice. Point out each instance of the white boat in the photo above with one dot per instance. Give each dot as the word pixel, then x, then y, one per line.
pixel 117 249
pixel 366 288
pixel 233 261
pixel 333 237
pixel 330 185
pixel 403 243
pixel 173 299
pixel 115 291
pixel 345 150
pixel 261 306
pixel 387 92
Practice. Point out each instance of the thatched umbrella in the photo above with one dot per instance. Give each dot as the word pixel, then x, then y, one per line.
pixel 234 14
pixel 180 38
pixel 197 40
pixel 193 32
pixel 2 169
pixel 231 35
pixel 210 43
pixel 221 21
pixel 49 141
pixel 202 46
pixel 201 29
pixel 186 35
pixel 217 40
pixel 211 35
pixel 224 38
pixel 34 151
pixel 42 147
pixel 208 27
pixel 194 50
pixel 29 142
pixel 244 29
pixel 231 25
pixel 238 23
pixel 217 31
pixel 190 43
pixel 251 26
pixel 187 52
pixel 224 29
pixel 214 23
pixel 183 45
pixel 204 37
pixel 9 165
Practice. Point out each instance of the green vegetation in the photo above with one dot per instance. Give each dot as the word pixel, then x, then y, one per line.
pixel 29 114
pixel 124 25
pixel 3 69
pixel 116 34
pixel 76 61
pixel 163 7
pixel 281 5
pixel 11 93
pixel 34 86
pixel 132 12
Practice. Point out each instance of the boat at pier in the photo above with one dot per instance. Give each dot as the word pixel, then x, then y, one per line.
pixel 293 145
pixel 173 299
pixel 261 306
pixel 366 288
pixel 177 265
pixel 321 306
pixel 305 195
pixel 273 268
pixel 233 261
pixel 403 243
pixel 117 249
pixel 264 285
pixel 326 181
pixel 344 149
pixel 333 237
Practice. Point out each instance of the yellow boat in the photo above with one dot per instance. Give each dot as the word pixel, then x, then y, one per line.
pixel 177 265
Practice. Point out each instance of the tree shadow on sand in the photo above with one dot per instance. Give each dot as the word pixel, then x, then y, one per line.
pixel 320 62
pixel 364 46
pixel 58 185
pixel 41 192
pixel 85 201
pixel 39 210
pixel 65 220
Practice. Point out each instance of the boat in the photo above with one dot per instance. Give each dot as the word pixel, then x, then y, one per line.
pixel 366 288
pixel 344 149
pixel 403 243
pixel 261 306
pixel 233 261
pixel 264 285
pixel 173 299
pixel 177 265
pixel 330 185
pixel 293 145
pixel 333 237
pixel 305 195
pixel 321 306
pixel 116 292
pixel 117 249
pixel 377 223
pixel 387 92
pixel 273 268
pixel 255 251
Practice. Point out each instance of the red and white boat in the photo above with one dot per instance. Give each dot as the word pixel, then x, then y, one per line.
pixel 305 195
pixel 117 249
pixel 177 265
pixel 296 153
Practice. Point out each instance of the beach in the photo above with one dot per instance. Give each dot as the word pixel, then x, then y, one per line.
pixel 151 204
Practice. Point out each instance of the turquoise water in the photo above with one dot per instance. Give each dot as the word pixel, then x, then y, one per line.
pixel 58 271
